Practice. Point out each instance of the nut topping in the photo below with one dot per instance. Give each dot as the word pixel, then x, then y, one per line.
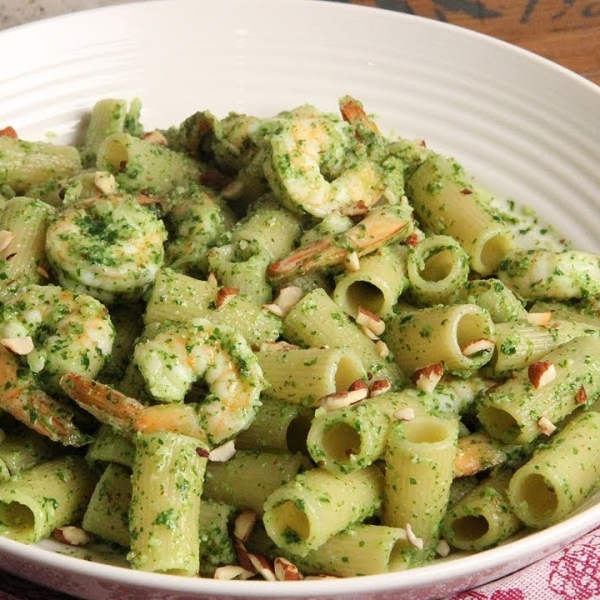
pixel 541 373
pixel 426 378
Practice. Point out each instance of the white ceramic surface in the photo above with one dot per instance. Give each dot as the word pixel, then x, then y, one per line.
pixel 528 129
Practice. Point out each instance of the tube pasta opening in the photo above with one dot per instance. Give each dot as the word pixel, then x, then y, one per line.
pixel 470 528
pixel 536 497
pixel 290 522
pixel 494 250
pixel 340 442
pixel 499 423
pixel 365 294
pixel 18 521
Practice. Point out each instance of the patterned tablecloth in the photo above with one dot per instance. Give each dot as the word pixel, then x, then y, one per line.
pixel 544 27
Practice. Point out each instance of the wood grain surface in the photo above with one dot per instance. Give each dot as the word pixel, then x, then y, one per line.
pixel 564 31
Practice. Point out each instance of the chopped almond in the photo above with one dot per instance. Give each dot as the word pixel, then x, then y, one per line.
pixel 581 396
pixel 105 182
pixel 352 262
pixel 229 572
pixel 6 237
pixel 287 298
pixel 405 414
pixel 379 386
pixel 74 536
pixel 155 137
pixel 478 346
pixel 225 295
pixel 541 373
pixel 244 524
pixel 9 132
pixel 262 566
pixel 342 399
pixel 212 279
pixel 382 349
pixel 417 542
pixel 540 318
pixel 359 384
pixel 223 452
pixel 426 378
pixel 19 345
pixel 370 320
pixel 443 548
pixel 286 570
pixel 546 426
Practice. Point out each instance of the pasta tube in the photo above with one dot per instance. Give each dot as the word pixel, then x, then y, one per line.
pixel 303 514
pixel 535 399
pixel 559 475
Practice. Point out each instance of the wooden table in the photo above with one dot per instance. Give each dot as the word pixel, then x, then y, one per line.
pixel 564 31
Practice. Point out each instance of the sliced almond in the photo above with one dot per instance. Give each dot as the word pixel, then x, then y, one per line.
pixel 43 272
pixel 230 572
pixel 404 414
pixel 212 279
pixel 540 318
pixel 427 377
pixel 342 399
pixel 546 426
pixel 105 182
pixel 6 237
pixel 581 396
pixel 223 452
pixel 74 536
pixel 286 570
pixel 263 566
pixel 155 137
pixel 352 262
pixel 244 524
pixel 478 346
pixel 378 387
pixel 274 309
pixel 417 542
pixel 19 345
pixel 369 333
pixel 359 384
pixel 541 373
pixel 225 295
pixel 243 556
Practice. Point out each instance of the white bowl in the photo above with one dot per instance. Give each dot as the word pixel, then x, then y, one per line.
pixel 527 128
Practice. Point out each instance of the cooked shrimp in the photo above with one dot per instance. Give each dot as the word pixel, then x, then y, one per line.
pixel 22 399
pixel 180 353
pixel 109 247
pixel 70 332
pixel 382 225
pixel 197 220
pixel 315 166
pixel 128 415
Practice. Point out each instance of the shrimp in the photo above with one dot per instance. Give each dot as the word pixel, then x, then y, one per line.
pixel 70 332
pixel 382 225
pixel 26 402
pixel 109 247
pixel 180 353
pixel 176 355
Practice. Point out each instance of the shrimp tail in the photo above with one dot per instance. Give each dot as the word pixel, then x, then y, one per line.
pixel 380 226
pixel 34 408
pixel 106 404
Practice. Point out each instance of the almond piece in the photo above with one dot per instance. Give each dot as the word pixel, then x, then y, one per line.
pixel 229 572
pixel 546 426
pixel 581 396
pixel 74 536
pixel 263 566
pixel 244 524
pixel 359 384
pixel 274 309
pixel 539 318
pixel 404 414
pixel 287 298
pixel 541 373
pixel 9 132
pixel 443 548
pixel 225 295
pixel 381 348
pixel 6 237
pixel 342 399
pixel 370 321
pixel 223 452
pixel 212 279
pixel 379 386
pixel 155 137
pixel 352 262
pixel 427 377
pixel 19 345
pixel 105 182
pixel 417 542
pixel 478 346
pixel 286 570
